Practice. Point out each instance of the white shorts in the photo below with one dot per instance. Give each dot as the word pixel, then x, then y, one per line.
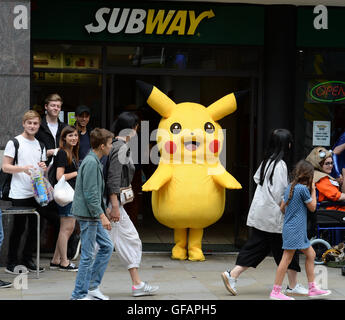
pixel 126 240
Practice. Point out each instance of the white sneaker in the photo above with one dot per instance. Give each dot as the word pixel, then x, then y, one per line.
pixel 145 290
pixel 229 282
pixel 87 297
pixel 97 295
pixel 297 291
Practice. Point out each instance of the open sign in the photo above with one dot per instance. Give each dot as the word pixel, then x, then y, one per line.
pixel 329 91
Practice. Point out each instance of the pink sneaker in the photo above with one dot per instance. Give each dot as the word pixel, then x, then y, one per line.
pixel 276 294
pixel 315 292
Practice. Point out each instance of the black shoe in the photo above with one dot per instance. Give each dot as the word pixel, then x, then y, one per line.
pixel 16 269
pixel 54 266
pixel 73 248
pixel 5 284
pixel 31 266
pixel 71 267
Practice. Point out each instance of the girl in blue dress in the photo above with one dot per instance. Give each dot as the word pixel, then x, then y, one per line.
pixel 299 197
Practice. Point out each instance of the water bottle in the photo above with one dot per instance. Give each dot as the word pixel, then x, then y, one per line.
pixel 39 187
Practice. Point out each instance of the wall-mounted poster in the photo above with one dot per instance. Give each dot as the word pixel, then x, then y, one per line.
pixel 321 133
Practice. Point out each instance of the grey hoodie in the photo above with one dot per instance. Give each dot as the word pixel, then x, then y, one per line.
pixel 121 168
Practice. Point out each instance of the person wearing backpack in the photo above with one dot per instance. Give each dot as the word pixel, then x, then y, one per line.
pixel 29 155
pixel 3 284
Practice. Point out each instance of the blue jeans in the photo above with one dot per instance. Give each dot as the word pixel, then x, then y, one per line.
pixel 1 230
pixel 91 269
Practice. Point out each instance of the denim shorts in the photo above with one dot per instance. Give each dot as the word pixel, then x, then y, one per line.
pixel 65 211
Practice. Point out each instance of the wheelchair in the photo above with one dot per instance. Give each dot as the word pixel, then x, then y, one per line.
pixel 324 227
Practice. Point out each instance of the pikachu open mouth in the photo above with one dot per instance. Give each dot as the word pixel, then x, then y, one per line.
pixel 191 145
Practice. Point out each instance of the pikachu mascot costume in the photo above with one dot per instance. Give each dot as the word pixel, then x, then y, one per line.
pixel 188 187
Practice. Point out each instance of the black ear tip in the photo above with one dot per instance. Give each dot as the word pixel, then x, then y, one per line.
pixel 144 87
pixel 241 94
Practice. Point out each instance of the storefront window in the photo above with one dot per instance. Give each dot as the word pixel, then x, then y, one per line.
pixel 177 57
pixel 320 110
pixel 123 56
pixel 66 78
pixel 67 56
pixel 74 88
pixel 323 61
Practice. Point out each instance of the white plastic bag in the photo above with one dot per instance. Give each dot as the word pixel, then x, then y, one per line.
pixel 63 192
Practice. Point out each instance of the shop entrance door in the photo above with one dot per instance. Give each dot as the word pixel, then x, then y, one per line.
pixel 241 132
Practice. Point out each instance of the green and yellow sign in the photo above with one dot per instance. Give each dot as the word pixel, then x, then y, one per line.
pixel 158 22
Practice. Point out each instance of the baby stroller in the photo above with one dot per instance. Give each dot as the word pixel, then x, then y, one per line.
pixel 324 228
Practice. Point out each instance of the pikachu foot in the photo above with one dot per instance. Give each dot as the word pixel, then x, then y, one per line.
pixel 179 253
pixel 195 254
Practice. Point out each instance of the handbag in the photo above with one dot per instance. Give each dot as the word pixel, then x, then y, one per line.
pixel 126 195
pixel 63 192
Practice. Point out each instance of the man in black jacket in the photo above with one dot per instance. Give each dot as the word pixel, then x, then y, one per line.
pixel 51 126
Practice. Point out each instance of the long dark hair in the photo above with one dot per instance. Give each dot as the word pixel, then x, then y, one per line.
pixel 278 148
pixel 125 120
pixel 62 144
pixel 303 174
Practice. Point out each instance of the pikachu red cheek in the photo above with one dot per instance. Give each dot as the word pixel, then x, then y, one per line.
pixel 170 147
pixel 214 146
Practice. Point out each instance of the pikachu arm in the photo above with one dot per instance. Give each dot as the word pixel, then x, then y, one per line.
pixel 159 178
pixel 224 178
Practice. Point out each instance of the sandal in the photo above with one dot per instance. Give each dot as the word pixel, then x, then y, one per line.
pixel 54 266
pixel 70 267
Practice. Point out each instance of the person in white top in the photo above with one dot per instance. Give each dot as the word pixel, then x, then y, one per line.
pixel 30 155
pixel 265 218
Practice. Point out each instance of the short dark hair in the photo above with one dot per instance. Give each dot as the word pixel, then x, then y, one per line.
pixel 99 136
pixel 125 120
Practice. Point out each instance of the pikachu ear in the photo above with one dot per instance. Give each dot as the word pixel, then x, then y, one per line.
pixel 156 99
pixel 225 106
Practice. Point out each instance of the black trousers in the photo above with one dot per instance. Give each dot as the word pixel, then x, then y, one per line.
pixel 259 245
pixel 18 230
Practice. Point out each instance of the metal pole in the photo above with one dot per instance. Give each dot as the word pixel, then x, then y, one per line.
pixel 38 246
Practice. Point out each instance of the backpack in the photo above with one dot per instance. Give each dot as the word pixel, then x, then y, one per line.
pixel 6 178
pixel 51 173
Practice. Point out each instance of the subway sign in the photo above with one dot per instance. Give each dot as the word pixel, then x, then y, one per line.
pixel 160 21
pixel 148 22
pixel 329 91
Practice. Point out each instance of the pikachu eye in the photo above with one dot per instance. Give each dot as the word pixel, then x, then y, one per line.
pixel 175 128
pixel 209 127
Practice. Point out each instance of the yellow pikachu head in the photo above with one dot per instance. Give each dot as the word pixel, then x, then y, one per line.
pixel 188 132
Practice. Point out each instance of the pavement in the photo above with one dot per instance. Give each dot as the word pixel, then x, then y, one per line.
pixel 178 280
